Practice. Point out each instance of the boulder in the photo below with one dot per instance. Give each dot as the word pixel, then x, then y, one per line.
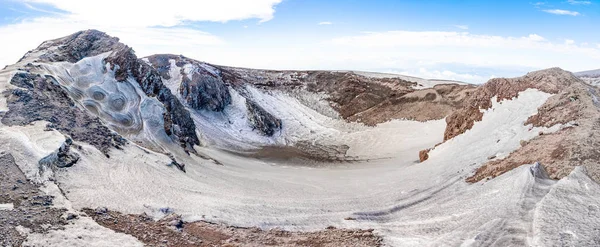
pixel 424 155
pixel 205 92
pixel 61 158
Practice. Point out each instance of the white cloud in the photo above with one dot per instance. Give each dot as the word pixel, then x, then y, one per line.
pixel 410 50
pixel 569 42
pixel 159 13
pixel 436 38
pixel 325 23
pixel 463 27
pixel 561 12
pixel 535 37
pixel 138 25
pixel 575 2
pixel 407 51
pixel 18 38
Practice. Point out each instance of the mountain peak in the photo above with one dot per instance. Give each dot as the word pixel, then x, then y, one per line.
pixel 77 46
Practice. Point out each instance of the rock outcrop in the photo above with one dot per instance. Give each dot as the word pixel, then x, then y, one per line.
pixel 201 86
pixel 42 98
pixel 424 155
pixel 33 210
pixel 173 231
pixel 262 120
pixel 61 158
pixel 205 91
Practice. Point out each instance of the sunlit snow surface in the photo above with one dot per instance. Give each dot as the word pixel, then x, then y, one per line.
pixel 409 203
pixel 421 83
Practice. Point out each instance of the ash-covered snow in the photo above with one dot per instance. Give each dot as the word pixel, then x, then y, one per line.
pixel 589 73
pixel 124 106
pixel 409 203
pixel 591 77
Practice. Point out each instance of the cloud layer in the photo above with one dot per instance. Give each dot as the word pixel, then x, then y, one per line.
pixel 561 12
pixel 162 13
pixel 152 28
pixel 532 51
pixel 575 2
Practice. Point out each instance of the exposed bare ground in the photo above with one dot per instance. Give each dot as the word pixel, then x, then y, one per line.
pixel 550 81
pixel 559 152
pixel 172 231
pixel 32 209
pixel 359 98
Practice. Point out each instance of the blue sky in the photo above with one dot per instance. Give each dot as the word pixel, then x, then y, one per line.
pixel 463 40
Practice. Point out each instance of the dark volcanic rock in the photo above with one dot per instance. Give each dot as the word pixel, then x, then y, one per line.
pixel 177 119
pixel 42 98
pixel 78 46
pixel 205 92
pixel 61 158
pixel 261 119
pixel 32 209
pixel 162 64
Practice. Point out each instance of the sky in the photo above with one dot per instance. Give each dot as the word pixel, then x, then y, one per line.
pixel 464 40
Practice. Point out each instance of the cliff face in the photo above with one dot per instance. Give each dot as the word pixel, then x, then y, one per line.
pixel 205 92
pixel 262 120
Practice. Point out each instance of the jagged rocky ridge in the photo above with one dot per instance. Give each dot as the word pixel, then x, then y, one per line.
pixel 73 48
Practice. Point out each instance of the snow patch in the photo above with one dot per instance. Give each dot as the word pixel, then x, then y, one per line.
pixel 6 206
pixel 82 232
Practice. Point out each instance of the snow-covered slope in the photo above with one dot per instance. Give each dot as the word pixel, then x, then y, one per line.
pixel 297 150
pixel 592 77
pixel 589 73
